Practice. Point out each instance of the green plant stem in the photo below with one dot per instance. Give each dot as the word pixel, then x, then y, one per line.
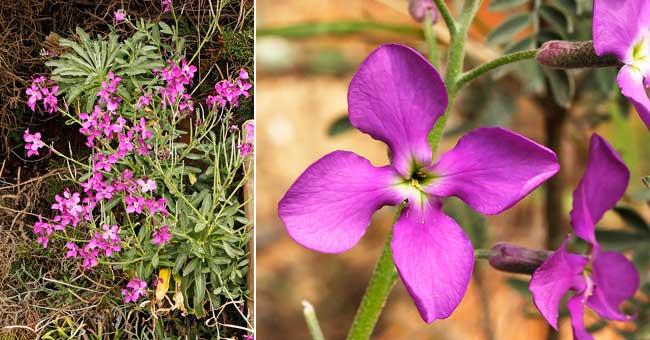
pixel 336 27
pixel 483 254
pixel 446 16
pixel 455 59
pixel 312 322
pixel 429 36
pixel 500 61
pixel 380 285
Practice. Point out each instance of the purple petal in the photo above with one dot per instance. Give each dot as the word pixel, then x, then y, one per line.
pixel 434 257
pixel 601 186
pixel 618 25
pixel 396 97
pixel 491 169
pixel 561 272
pixel 329 206
pixel 631 82
pixel 577 311
pixel 616 280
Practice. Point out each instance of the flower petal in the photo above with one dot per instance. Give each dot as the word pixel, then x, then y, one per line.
pixel 491 169
pixel 631 82
pixel 616 280
pixel 618 25
pixel 560 273
pixel 330 205
pixel 602 185
pixel 396 97
pixel 577 311
pixel 434 257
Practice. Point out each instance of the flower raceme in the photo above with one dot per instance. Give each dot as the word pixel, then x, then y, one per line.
pixel 603 279
pixel 396 97
pixel 621 28
pixel 33 143
pixel 40 91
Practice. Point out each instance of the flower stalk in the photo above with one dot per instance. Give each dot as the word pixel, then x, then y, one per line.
pixel 312 321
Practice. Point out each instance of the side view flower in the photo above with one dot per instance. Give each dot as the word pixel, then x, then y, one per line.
pixel 396 97
pixel 621 28
pixel 603 279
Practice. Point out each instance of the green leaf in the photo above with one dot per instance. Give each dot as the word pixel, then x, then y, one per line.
pixel 556 18
pixel 621 240
pixel 339 126
pixel 500 5
pixel 509 28
pixel 633 219
pixel 562 86
pixel 191 266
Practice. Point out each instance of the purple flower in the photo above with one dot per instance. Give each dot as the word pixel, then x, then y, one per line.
pixel 34 93
pixel 396 97
pixel 134 205
pixel 161 236
pixel 73 250
pixel 120 15
pixel 43 230
pixel 134 290
pixel 167 5
pixel 49 98
pixel 622 29
pixel 33 142
pixel 604 279
pixel 147 185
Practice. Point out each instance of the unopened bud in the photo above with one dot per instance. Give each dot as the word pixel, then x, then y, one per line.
pixel 419 9
pixel 514 259
pixel 569 54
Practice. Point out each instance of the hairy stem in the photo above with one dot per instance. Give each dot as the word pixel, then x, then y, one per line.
pixel 381 282
pixel 430 37
pixel 503 60
pixel 446 16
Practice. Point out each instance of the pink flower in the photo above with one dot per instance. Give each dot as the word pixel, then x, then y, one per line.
pixel 134 290
pixel 161 236
pixel 120 15
pixel 34 93
pixel 73 250
pixel 245 149
pixel 167 4
pixel 43 230
pixel 50 100
pixel 147 185
pixel 250 129
pixel 143 101
pixel 33 142
pixel 134 205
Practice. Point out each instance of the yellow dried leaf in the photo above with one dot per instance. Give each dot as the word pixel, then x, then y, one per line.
pixel 163 284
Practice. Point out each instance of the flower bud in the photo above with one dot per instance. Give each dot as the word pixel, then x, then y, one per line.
pixel 419 8
pixel 569 54
pixel 514 259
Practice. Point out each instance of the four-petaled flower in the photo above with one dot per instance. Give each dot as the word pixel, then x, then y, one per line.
pixel 33 142
pixel 396 97
pixel 622 28
pixel 134 290
pixel 120 15
pixel 604 279
pixel 161 236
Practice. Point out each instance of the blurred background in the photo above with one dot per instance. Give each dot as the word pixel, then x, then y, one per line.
pixel 306 53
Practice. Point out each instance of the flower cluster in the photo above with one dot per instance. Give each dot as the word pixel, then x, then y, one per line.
pixel 120 15
pixel 45 90
pixel 33 142
pixel 228 92
pixel 134 290
pixel 176 79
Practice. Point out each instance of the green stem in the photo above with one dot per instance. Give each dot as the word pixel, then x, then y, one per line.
pixel 337 27
pixel 455 61
pixel 503 60
pixel 430 37
pixel 312 321
pixel 380 285
pixel 446 16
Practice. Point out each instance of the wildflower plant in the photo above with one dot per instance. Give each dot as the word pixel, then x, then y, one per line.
pixel 398 97
pixel 159 200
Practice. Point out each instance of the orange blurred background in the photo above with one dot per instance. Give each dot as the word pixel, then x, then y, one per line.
pixel 301 91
